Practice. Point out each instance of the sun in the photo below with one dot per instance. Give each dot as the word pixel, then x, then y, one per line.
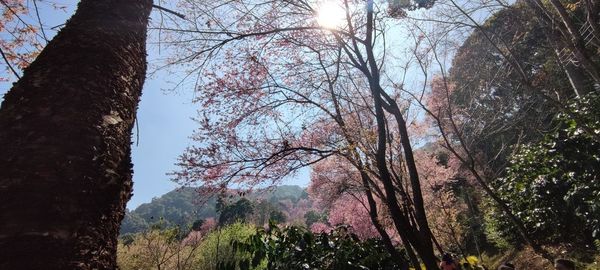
pixel 331 15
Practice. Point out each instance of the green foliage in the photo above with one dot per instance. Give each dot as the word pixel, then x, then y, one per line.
pixel 277 216
pixel 163 249
pixel 553 185
pixel 180 207
pixel 499 230
pixel 216 251
pixel 197 225
pixel 473 235
pixel 176 208
pixel 236 212
pixel 313 217
pixel 133 223
pixel 297 248
pixel 262 212
pixel 489 93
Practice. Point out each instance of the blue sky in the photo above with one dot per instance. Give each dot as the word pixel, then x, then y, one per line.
pixel 165 125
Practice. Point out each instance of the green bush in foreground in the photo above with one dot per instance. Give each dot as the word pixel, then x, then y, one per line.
pixel 297 248
pixel 554 185
pixel 217 252
pixel 163 249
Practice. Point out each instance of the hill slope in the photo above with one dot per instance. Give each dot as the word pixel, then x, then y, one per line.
pixel 181 207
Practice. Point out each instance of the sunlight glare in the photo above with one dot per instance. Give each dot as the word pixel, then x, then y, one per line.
pixel 331 15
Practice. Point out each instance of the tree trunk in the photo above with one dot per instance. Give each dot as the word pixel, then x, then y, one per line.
pixel 420 241
pixel 385 237
pixel 65 136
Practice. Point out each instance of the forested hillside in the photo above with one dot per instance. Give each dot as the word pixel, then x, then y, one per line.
pixel 183 206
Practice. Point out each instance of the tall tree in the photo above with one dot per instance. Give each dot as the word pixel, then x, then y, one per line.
pixel 500 87
pixel 289 84
pixel 65 166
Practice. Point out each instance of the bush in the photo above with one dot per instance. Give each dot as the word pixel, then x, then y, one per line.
pixel 554 185
pixel 297 248
pixel 216 250
pixel 155 249
pixel 160 248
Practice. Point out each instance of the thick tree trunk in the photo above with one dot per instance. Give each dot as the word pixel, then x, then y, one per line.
pixel 65 136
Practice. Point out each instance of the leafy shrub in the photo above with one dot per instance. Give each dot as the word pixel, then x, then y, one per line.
pixel 160 248
pixel 554 185
pixel 297 248
pixel 216 251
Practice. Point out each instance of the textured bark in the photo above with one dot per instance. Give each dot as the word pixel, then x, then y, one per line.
pixel 65 136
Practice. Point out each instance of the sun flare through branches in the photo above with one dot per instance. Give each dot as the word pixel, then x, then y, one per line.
pixel 331 14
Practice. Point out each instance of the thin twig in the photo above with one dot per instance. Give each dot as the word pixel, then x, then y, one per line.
pixel 37 13
pixel 137 133
pixel 9 65
pixel 57 26
pixel 169 11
